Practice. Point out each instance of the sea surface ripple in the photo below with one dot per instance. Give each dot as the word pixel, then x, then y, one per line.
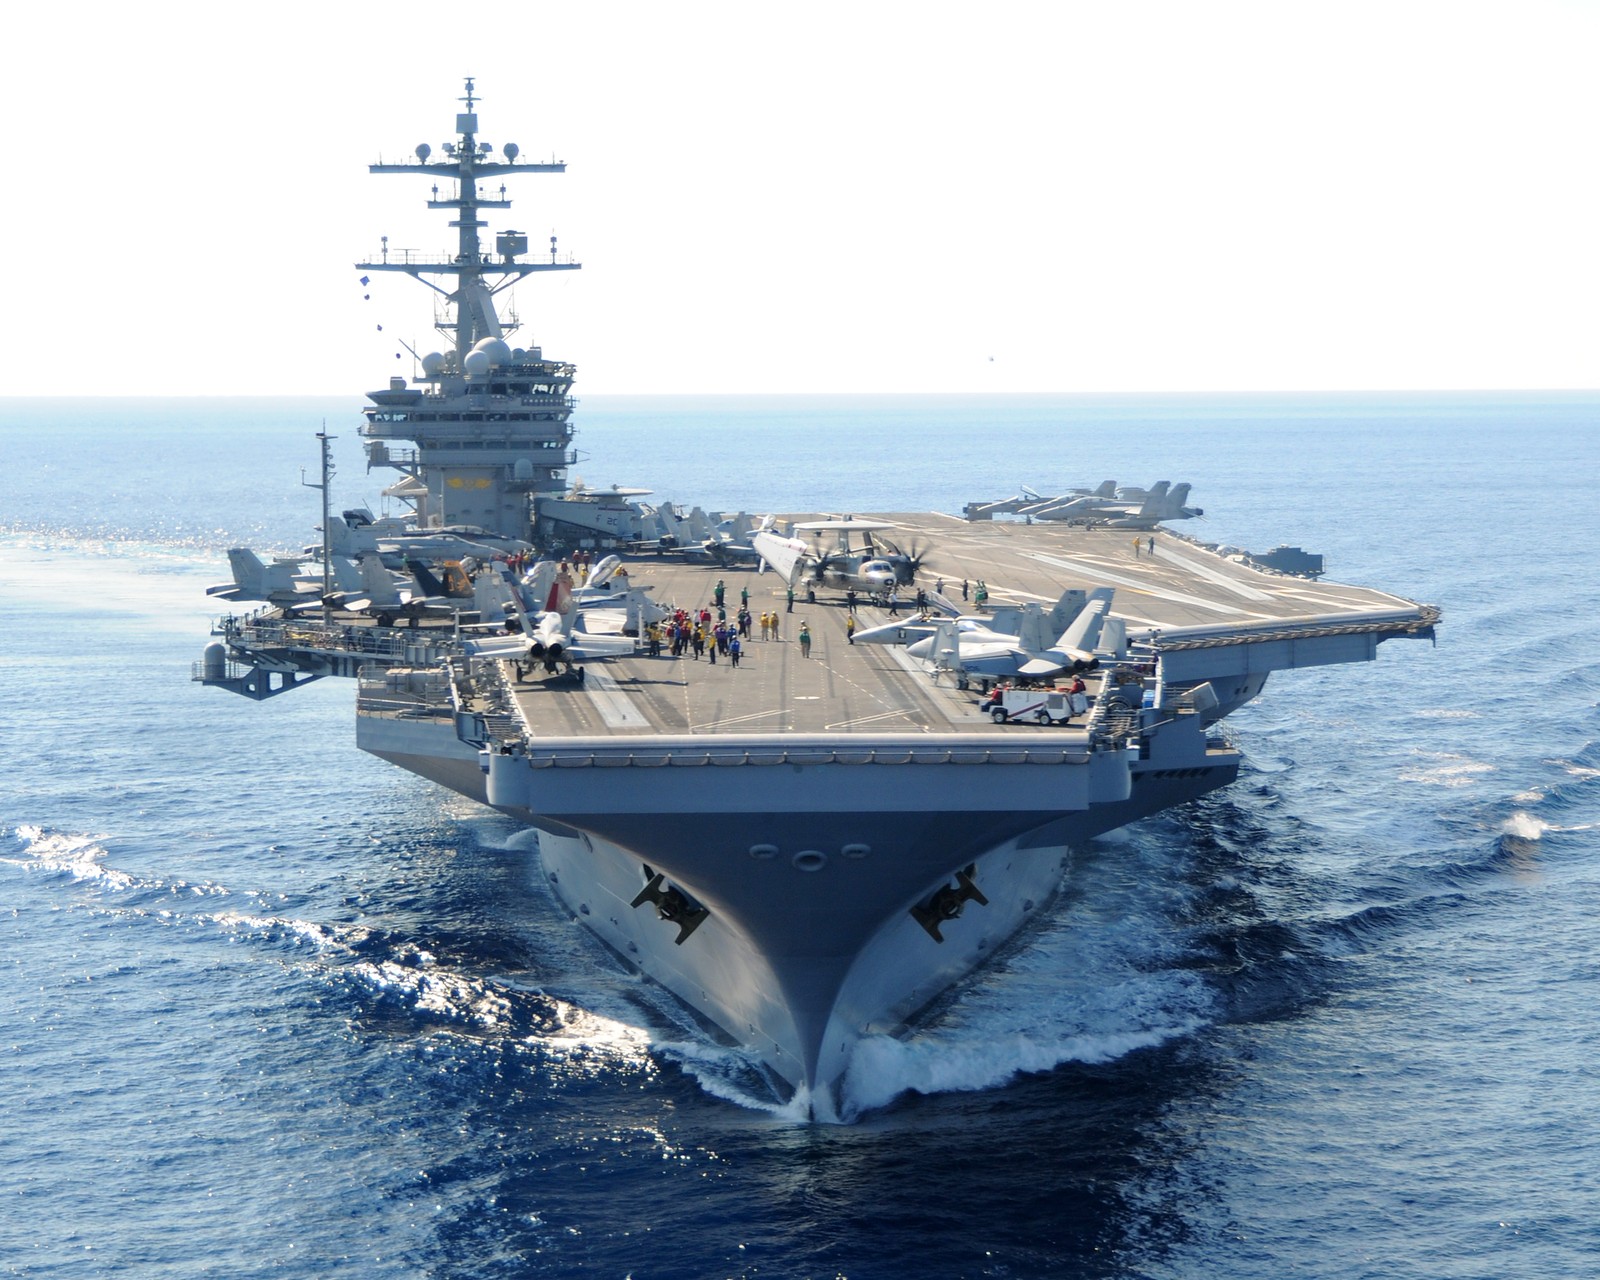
pixel 273 1008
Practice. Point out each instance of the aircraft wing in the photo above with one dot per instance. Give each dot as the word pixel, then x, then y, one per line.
pixel 497 647
pixel 985 655
pixel 1077 642
pixel 993 658
pixel 586 647
pixel 783 554
pixel 907 632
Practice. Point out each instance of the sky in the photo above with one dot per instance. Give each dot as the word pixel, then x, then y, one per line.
pixel 834 197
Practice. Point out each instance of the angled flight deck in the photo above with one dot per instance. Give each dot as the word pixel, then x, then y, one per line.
pixel 872 689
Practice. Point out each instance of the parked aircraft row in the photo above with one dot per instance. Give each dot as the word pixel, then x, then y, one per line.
pixel 1027 640
pixel 1106 506
pixel 354 534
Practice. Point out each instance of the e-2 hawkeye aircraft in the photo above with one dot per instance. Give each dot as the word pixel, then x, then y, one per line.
pixel 871 564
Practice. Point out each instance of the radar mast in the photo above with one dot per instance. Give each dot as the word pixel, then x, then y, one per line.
pixel 479 276
pixel 491 423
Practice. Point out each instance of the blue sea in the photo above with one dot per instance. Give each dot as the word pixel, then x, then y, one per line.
pixel 270 1007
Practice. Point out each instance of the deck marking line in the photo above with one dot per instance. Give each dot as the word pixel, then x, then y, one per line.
pixel 940 704
pixel 1148 587
pixel 615 707
pixel 1213 574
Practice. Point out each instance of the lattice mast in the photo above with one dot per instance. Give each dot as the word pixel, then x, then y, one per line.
pixel 478 276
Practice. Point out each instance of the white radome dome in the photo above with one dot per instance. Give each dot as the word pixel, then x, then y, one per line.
pixel 496 349
pixel 477 362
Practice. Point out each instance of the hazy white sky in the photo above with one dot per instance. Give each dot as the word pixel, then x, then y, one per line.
pixel 830 196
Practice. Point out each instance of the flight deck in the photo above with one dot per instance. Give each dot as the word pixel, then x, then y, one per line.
pixel 1185 591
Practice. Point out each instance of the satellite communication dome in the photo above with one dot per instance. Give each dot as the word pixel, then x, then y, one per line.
pixel 477 362
pixel 498 351
pixel 423 152
pixel 512 151
pixel 432 363
pixel 523 469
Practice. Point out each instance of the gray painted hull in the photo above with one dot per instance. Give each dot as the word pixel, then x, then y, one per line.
pixel 816 880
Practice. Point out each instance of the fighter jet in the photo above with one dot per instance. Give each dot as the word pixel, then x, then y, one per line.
pixel 386 595
pixel 280 583
pixel 873 565
pixel 965 646
pixel 1137 510
pixel 1025 499
pixel 355 534
pixel 609 589
pixel 554 636
pixel 1005 619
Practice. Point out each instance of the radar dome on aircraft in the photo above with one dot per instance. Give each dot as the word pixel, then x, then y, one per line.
pixel 497 349
pixel 423 152
pixel 512 151
pixel 477 362
pixel 432 363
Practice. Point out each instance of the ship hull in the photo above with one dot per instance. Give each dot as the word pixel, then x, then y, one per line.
pixel 821 896
pixel 428 748
pixel 800 1012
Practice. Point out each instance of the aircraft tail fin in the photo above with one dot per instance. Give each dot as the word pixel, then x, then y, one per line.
pixel 1067 608
pixel 946 647
pixel 1155 502
pixel 249 575
pixel 426 580
pixel 377 583
pixel 1033 630
pixel 519 599
pixel 1113 637
pixel 536 587
pixel 1107 489
pixel 346 575
pixel 252 580
pixel 1080 638
pixel 350 536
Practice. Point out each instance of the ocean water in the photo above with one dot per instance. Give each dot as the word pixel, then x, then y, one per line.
pixel 269 1007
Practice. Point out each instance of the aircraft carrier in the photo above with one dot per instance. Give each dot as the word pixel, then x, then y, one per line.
pixel 809 846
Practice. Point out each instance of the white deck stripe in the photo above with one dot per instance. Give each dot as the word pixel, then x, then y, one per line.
pixel 1212 574
pixel 615 707
pixel 957 714
pixel 1100 576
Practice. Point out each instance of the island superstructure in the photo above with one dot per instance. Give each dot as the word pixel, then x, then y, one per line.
pixel 491 424
pixel 809 847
